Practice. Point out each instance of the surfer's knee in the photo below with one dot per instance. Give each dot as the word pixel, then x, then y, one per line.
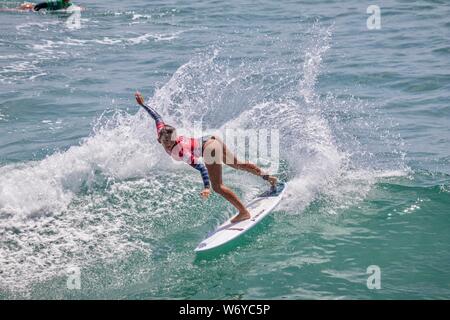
pixel 216 188
pixel 219 188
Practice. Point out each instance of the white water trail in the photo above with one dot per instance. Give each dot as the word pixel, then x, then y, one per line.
pixel 46 224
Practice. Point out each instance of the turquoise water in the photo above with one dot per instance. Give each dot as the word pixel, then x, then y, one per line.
pixel 363 117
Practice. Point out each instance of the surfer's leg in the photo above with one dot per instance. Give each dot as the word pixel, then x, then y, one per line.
pixel 231 160
pixel 214 166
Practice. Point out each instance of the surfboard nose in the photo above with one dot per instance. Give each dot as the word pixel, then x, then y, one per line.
pixel 200 246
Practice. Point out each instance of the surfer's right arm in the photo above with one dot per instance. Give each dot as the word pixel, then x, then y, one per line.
pixel 155 115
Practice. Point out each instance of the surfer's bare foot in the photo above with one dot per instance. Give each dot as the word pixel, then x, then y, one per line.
pixel 241 216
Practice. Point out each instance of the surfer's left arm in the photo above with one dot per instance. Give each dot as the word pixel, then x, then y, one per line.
pixel 198 164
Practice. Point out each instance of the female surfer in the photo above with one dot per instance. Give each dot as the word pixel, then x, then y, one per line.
pixel 206 154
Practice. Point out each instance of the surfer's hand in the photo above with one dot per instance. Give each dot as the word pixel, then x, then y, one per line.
pixel 272 180
pixel 205 193
pixel 139 98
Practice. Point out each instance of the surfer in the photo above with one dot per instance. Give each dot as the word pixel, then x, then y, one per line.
pixel 48 5
pixel 205 154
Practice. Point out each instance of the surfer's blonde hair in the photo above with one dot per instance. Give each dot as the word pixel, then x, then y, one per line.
pixel 167 131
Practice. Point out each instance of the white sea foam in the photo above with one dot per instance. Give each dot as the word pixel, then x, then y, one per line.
pixel 141 16
pixel 155 36
pixel 33 26
pixel 41 231
pixel 28 65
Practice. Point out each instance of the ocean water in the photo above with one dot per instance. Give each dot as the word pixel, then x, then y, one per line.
pixel 363 117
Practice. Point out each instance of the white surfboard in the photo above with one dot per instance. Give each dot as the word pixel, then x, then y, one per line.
pixel 259 207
